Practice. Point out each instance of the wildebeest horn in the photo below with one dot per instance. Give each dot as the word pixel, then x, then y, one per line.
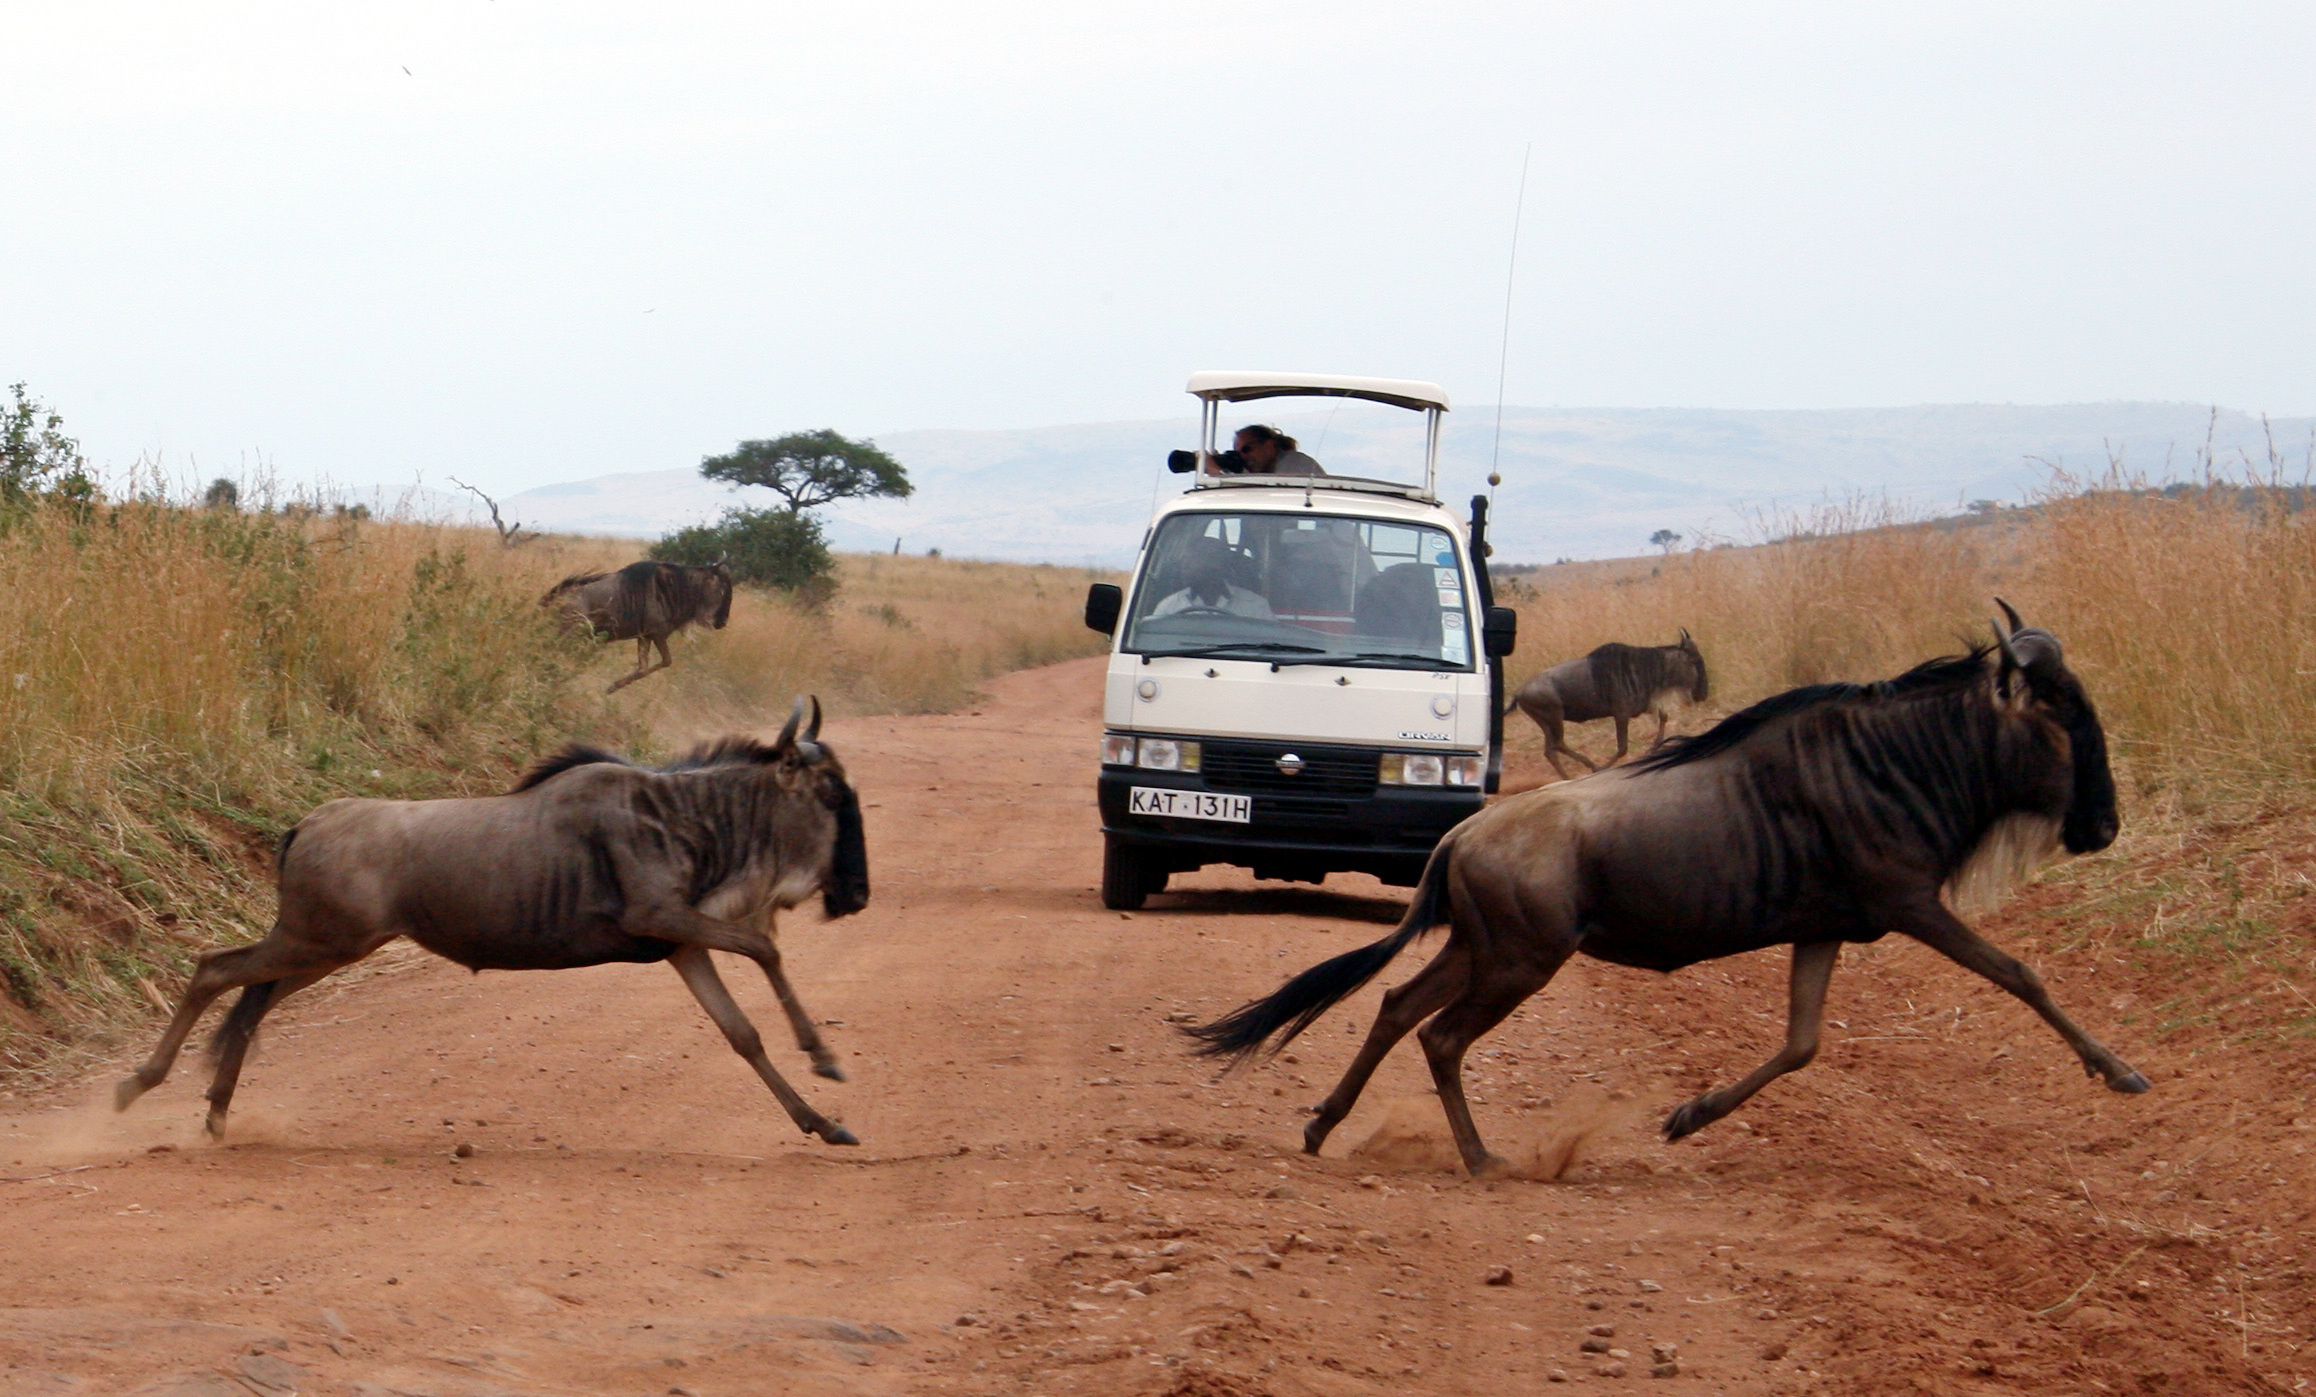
pixel 2015 623
pixel 1685 636
pixel 812 732
pixel 2010 661
pixel 795 720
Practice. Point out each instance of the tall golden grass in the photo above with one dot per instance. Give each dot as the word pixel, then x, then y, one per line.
pixel 2189 614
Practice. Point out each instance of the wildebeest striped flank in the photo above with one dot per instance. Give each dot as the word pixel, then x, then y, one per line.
pixel 589 860
pixel 1831 814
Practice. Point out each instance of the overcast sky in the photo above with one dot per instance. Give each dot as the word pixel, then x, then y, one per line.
pixel 524 243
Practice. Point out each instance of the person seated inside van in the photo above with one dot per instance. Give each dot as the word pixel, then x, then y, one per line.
pixel 1207 566
pixel 1264 450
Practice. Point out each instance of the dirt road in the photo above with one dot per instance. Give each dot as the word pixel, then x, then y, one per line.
pixel 1052 1198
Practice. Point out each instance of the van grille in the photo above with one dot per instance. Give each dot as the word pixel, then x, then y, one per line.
pixel 1253 766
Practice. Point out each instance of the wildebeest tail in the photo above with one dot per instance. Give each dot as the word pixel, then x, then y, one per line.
pixel 1299 1002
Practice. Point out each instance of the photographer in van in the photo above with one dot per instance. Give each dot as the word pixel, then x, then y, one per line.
pixel 1261 450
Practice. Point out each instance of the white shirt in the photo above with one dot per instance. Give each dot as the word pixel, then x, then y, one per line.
pixel 1238 601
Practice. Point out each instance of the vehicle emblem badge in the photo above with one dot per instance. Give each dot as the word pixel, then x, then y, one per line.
pixel 1290 764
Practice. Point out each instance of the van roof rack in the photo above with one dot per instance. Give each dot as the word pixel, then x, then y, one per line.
pixel 1214 387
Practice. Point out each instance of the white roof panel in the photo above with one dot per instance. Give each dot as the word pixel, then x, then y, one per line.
pixel 1239 385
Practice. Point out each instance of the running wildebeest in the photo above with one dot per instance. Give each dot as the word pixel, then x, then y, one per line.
pixel 1614 681
pixel 645 602
pixel 587 861
pixel 1833 813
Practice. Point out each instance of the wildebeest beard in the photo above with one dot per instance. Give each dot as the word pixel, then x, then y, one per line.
pixel 846 890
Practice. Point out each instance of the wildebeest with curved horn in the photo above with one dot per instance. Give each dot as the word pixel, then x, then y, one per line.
pixel 587 861
pixel 644 602
pixel 1834 813
pixel 1614 681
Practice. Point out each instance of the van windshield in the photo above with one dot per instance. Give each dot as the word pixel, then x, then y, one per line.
pixel 1302 589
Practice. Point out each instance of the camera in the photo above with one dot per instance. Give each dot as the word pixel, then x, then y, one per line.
pixel 1232 462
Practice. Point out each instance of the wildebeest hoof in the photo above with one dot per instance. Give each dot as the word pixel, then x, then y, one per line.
pixel 127 1092
pixel 214 1126
pixel 2130 1082
pixel 829 1070
pixel 838 1135
pixel 1687 1119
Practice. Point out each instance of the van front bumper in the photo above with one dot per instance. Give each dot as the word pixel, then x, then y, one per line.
pixel 1389 831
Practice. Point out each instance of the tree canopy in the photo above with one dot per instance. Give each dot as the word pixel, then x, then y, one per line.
pixel 809 469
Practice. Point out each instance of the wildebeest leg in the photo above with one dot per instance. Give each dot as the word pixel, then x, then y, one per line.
pixel 799 1018
pixel 1492 992
pixel 1813 968
pixel 215 973
pixel 1623 729
pixel 642 659
pixel 1944 933
pixel 1404 1006
pixel 233 1039
pixel 1547 713
pixel 707 987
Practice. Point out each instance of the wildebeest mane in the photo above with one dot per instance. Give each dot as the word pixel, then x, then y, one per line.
pixel 573 754
pixel 725 751
pixel 1947 673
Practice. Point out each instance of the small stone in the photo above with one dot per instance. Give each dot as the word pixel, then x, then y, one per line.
pixel 269 1374
pixel 1665 1370
pixel 1605 1331
pixel 1556 1375
pixel 1240 1268
pixel 1650 1287
pixel 1593 1346
pixel 1620 1354
pixel 1499 1275
pixel 1535 1236
pixel 1278 1191
pixel 1610 1370
pixel 1595 1305
pixel 160 1149
pixel 1371 1181
pixel 1117 1047
pixel 463 1150
pixel 1664 1353
pixel 1772 1353
pixel 966 1321
pixel 1766 1314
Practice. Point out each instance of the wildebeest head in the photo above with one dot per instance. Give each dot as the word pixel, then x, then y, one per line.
pixel 844 889
pixel 2033 676
pixel 1699 688
pixel 719 588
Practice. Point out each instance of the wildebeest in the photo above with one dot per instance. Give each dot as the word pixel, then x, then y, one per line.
pixel 1615 681
pixel 1838 812
pixel 645 602
pixel 588 860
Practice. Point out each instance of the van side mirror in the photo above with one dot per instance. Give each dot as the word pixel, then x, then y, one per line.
pixel 1500 631
pixel 1103 600
pixel 1182 462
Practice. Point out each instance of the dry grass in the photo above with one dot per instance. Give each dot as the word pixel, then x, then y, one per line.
pixel 902 635
pixel 2191 616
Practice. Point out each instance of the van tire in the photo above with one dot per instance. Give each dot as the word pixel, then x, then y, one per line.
pixel 1129 876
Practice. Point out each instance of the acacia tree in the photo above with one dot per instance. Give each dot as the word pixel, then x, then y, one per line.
pixel 810 469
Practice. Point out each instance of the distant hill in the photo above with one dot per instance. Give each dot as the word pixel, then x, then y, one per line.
pixel 1578 482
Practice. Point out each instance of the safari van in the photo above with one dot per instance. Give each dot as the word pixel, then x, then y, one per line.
pixel 1306 673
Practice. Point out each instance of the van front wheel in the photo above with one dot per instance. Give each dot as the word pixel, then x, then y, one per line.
pixel 1129 876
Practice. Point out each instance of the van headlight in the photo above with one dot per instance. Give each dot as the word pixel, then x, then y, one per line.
pixel 1167 754
pixel 1117 749
pixel 1430 769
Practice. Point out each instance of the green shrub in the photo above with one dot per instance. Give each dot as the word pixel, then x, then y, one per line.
pixel 769 547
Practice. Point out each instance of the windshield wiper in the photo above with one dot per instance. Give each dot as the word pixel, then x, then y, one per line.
pixel 1370 657
pixel 1202 651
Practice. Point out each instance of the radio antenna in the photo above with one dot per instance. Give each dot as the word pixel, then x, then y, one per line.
pixel 1504 355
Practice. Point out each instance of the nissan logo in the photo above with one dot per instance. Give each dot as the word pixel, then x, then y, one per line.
pixel 1290 764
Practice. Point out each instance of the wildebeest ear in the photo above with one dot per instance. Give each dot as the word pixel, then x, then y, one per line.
pixel 787 737
pixel 2015 623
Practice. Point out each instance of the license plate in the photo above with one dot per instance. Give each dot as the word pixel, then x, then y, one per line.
pixel 1189 805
